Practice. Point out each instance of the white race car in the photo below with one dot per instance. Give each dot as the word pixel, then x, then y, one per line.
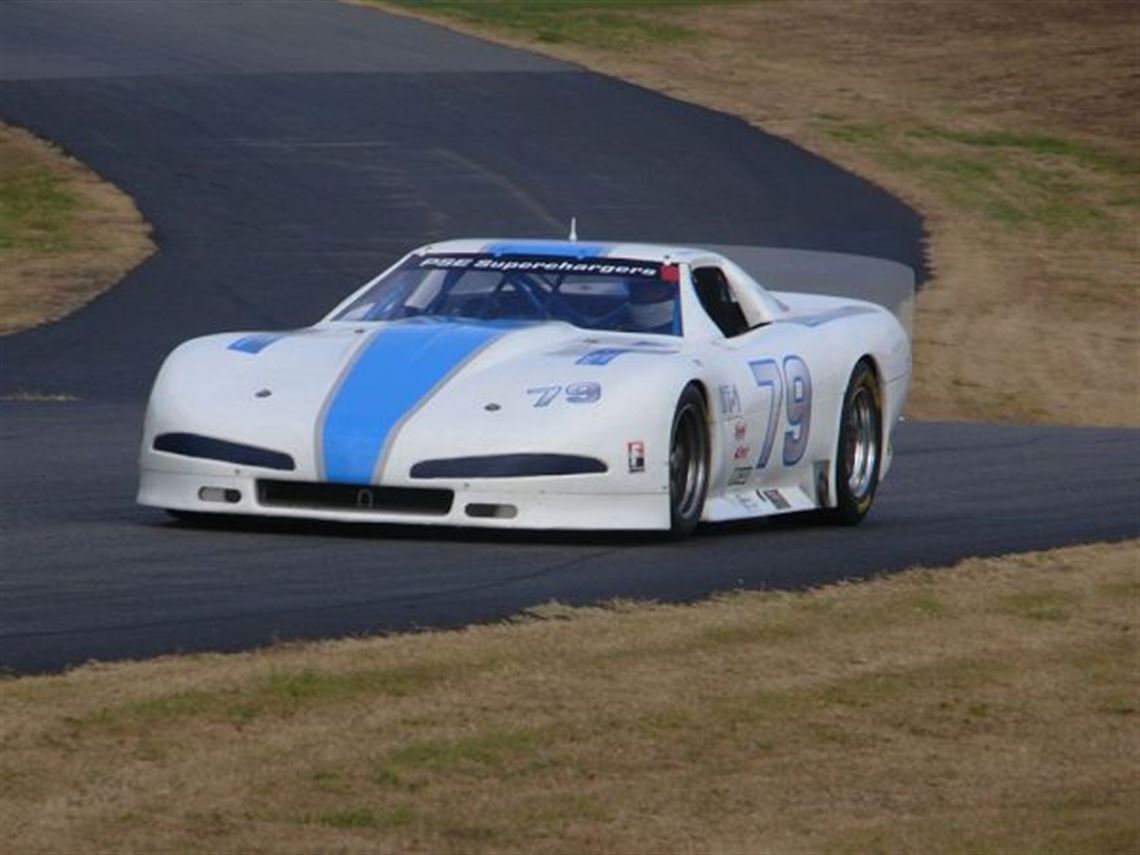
pixel 538 384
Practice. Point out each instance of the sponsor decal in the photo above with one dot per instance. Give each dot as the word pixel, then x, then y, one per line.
pixel 445 262
pixel 729 400
pixel 739 476
pixel 747 501
pixel 742 452
pixel 740 430
pixel 539 264
pixel 636 452
pixel 777 499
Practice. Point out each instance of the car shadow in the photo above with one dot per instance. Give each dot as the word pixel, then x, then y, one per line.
pixel 289 526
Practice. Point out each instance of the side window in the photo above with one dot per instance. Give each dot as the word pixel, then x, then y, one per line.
pixel 717 301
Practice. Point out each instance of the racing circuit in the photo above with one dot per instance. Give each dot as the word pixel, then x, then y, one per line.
pixel 285 152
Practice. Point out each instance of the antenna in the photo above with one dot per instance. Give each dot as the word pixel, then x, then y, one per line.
pixel 573 229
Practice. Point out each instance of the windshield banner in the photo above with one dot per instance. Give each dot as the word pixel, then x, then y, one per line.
pixel 539 264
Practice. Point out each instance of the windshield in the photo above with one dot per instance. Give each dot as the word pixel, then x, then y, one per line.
pixel 612 294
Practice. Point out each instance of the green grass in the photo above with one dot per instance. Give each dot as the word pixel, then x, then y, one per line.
pixel 1038 605
pixel 279 693
pixel 1038 144
pixel 65 236
pixel 36 208
pixel 1015 180
pixel 602 24
pixel 479 755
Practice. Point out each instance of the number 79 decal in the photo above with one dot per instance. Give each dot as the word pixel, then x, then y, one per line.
pixel 796 377
pixel 574 393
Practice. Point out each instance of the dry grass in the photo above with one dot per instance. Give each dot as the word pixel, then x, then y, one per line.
pixel 65 235
pixel 993 707
pixel 1013 126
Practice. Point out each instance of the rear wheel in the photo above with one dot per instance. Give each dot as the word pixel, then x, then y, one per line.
pixel 688 462
pixel 859 454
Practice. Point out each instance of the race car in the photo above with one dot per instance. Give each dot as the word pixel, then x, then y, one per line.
pixel 539 385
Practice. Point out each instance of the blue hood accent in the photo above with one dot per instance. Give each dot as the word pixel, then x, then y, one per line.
pixel 256 342
pixel 391 376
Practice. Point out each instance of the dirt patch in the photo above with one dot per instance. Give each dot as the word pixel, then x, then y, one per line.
pixel 989 707
pixel 66 236
pixel 1014 127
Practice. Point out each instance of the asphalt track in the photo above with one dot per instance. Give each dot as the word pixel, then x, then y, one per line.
pixel 286 151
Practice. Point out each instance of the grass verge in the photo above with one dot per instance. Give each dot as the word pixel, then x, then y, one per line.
pixel 65 235
pixel 1014 127
pixel 605 24
pixel 990 707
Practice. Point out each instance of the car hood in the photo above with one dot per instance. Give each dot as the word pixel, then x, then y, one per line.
pixel 361 404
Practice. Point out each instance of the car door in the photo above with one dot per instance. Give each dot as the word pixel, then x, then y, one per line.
pixel 772 419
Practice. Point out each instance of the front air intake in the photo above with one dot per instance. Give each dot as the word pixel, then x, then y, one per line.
pixel 359 498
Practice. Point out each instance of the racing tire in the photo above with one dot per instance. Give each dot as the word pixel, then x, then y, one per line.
pixel 859 454
pixel 688 462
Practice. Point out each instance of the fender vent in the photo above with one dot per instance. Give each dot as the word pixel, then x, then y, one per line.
pixel 364 498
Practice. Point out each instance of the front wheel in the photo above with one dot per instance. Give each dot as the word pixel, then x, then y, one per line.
pixel 688 462
pixel 859 454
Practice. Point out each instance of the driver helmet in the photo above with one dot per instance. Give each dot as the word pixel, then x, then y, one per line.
pixel 651 305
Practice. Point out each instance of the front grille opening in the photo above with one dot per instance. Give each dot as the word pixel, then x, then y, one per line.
pixel 211 448
pixel 361 498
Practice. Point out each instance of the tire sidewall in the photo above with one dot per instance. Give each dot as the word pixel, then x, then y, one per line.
pixel 850 509
pixel 682 526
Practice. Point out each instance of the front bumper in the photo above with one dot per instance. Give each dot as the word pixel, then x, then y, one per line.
pixel 563 502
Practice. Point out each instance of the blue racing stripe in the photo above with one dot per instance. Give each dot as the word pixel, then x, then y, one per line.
pixel 560 249
pixel 398 370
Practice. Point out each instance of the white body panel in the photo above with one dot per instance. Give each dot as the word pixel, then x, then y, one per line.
pixel 526 392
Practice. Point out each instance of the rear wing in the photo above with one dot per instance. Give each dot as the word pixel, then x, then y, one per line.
pixel 876 280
